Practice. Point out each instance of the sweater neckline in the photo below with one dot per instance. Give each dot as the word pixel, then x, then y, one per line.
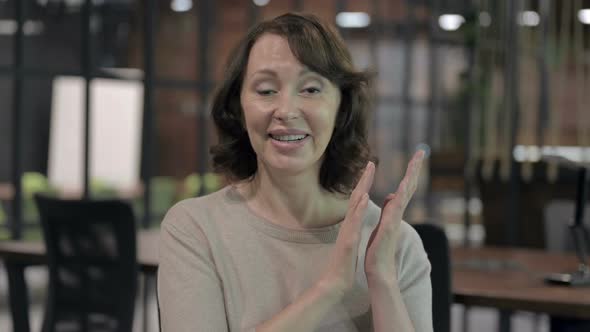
pixel 326 234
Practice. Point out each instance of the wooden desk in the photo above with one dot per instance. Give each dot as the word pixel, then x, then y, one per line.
pixel 512 279
pixel 509 279
pixel 17 255
pixel 33 253
pixel 7 192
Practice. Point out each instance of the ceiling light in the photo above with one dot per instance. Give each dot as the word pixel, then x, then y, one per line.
pixel 261 3
pixel 526 153
pixel 529 18
pixel 181 5
pixel 450 22
pixel 353 20
pixel 30 28
pixel 584 16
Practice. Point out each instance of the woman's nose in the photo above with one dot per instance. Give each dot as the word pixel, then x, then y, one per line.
pixel 287 109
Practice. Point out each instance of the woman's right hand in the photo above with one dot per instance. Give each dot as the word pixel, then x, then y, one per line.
pixel 340 274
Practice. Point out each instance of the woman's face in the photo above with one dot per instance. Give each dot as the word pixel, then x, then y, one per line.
pixel 289 110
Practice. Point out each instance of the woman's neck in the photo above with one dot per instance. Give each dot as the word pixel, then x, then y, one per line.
pixel 293 201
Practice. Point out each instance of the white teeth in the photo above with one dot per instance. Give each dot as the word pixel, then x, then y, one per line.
pixel 288 137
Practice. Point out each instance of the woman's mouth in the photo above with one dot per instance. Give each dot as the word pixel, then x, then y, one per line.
pixel 288 143
pixel 288 138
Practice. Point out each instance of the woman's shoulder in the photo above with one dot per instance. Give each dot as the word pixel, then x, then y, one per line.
pixel 409 237
pixel 412 259
pixel 196 211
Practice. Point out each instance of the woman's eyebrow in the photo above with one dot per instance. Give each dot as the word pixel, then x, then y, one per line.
pixel 270 72
pixel 305 71
pixel 264 71
pixel 308 72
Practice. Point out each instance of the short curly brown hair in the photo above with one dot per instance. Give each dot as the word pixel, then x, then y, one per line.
pixel 320 48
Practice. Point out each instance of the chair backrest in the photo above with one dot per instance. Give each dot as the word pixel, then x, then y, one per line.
pixel 558 215
pixel 436 246
pixel 93 270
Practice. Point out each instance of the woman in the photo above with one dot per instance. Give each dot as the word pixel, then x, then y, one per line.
pixel 293 243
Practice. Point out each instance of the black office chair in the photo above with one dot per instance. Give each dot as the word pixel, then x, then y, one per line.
pixel 437 247
pixel 93 270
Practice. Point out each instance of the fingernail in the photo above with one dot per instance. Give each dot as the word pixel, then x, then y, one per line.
pixel 425 148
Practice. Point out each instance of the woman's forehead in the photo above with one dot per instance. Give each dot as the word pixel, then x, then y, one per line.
pixel 271 55
pixel 272 46
pixel 271 52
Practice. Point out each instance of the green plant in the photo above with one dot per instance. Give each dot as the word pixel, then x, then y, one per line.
pixel 195 185
pixel 101 189
pixel 163 196
pixel 212 182
pixel 191 186
pixel 33 183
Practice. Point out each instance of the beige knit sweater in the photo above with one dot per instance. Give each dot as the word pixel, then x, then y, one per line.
pixel 223 268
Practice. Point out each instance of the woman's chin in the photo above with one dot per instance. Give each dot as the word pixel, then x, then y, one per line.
pixel 290 166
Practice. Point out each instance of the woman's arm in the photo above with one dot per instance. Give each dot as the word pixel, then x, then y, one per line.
pixel 393 304
pixel 191 298
pixel 406 305
pixel 305 313
pixel 388 308
pixel 403 302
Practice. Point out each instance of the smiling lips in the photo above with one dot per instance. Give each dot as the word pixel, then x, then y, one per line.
pixel 288 140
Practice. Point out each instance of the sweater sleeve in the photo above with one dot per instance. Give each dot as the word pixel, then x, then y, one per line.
pixel 189 289
pixel 414 280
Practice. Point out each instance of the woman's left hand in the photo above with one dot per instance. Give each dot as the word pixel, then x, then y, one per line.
pixel 380 265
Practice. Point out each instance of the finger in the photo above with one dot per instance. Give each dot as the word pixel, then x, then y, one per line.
pixel 415 174
pixel 356 213
pixel 357 220
pixel 396 203
pixel 392 212
pixel 391 215
pixel 386 211
pixel 364 184
pixel 360 209
pixel 356 224
pixel 409 183
pixel 351 227
pixel 415 164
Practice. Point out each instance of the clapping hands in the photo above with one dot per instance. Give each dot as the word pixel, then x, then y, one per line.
pixel 380 254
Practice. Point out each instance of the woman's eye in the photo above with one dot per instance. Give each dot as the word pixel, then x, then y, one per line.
pixel 311 90
pixel 267 92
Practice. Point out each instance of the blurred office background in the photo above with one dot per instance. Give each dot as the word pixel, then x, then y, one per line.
pixel 110 98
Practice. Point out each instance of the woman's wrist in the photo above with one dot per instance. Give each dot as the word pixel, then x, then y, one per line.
pixel 383 280
pixel 306 312
pixel 330 289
